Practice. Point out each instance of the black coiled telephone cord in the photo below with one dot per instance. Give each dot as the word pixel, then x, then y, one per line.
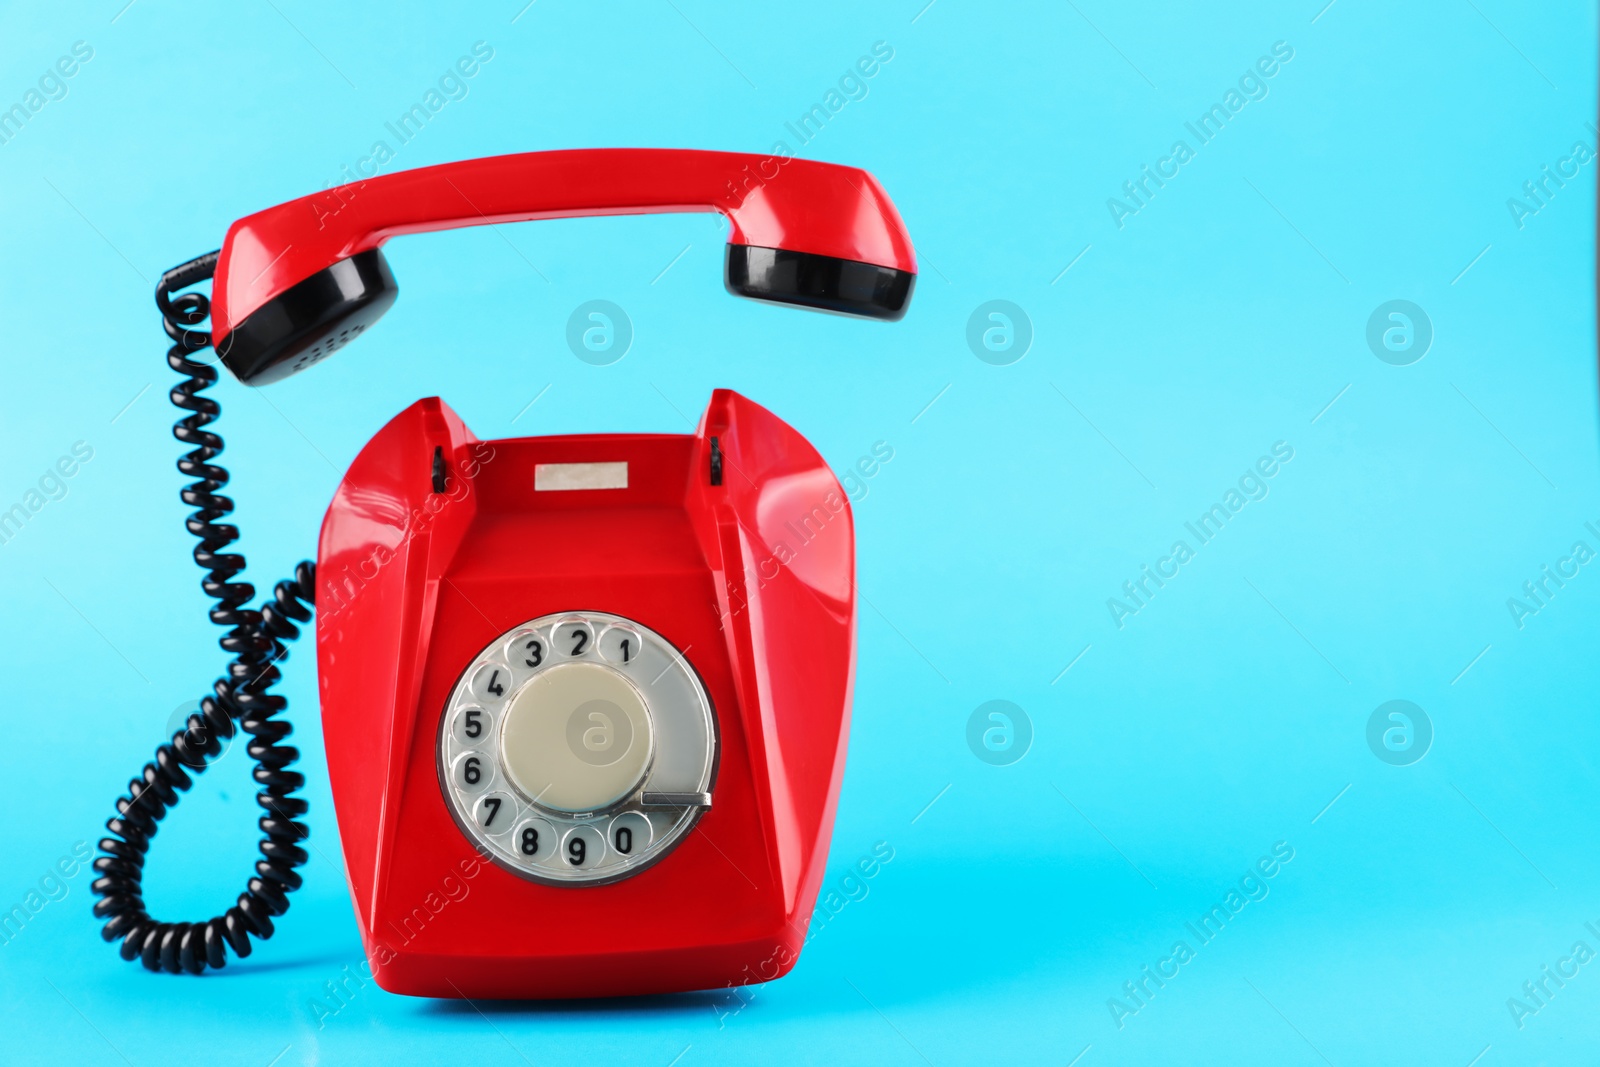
pixel 239 701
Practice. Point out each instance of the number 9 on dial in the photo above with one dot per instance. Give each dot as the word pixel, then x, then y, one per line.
pixel 582 847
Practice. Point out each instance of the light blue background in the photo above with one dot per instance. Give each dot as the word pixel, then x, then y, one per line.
pixel 1223 317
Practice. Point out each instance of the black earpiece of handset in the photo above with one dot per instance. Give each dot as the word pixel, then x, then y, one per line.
pixel 821 283
pixel 310 320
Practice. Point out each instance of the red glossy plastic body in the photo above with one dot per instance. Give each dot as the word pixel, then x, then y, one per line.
pixel 753 580
pixel 770 201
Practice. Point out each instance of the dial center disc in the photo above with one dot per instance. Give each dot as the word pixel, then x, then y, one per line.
pixel 578 737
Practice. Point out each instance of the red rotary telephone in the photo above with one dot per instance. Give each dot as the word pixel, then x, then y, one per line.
pixel 585 698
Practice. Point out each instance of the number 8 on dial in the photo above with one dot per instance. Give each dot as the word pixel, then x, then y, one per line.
pixel 534 840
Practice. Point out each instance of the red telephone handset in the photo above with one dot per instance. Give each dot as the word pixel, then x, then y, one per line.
pixel 296 281
pixel 585 698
